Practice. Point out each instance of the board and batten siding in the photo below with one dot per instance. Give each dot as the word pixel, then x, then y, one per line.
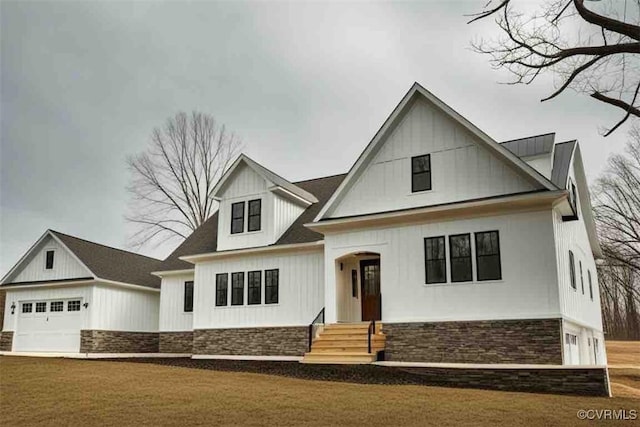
pixel 119 309
pixel 301 291
pixel 65 265
pixel 172 315
pixel 462 169
pixel 528 288
pixel 284 214
pixel 31 294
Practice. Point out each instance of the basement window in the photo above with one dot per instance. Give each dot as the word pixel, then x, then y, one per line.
pixel 27 307
pixel 73 305
pixel 49 260
pixel 57 306
pixel 460 254
pixel 237 218
pixel 421 173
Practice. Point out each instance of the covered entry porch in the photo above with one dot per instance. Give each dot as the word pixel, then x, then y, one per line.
pixel 358 296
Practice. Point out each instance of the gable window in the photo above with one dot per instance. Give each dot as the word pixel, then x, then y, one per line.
pixel 254 287
pixel 581 277
pixel 49 260
pixel 254 215
pixel 73 305
pixel 237 218
pixel 488 256
pixel 271 286
pixel 41 307
pixel 27 307
pixel 421 173
pixel 222 285
pixel 435 262
pixel 572 270
pixel 188 297
pixel 460 254
pixel 57 306
pixel 590 284
pixel 237 288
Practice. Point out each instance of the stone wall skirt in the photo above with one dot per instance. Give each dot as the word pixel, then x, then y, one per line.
pixel 534 341
pixel 276 341
pixel 6 340
pixel 176 342
pixel 96 341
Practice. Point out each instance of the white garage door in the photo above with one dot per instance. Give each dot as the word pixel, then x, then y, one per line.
pixel 49 326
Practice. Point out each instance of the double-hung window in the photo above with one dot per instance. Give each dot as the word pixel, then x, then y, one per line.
pixel 271 286
pixel 188 297
pixel 488 256
pixel 237 288
pixel 222 285
pixel 460 255
pixel 421 173
pixel 572 270
pixel 237 218
pixel 254 285
pixel 49 260
pixel 255 207
pixel 435 260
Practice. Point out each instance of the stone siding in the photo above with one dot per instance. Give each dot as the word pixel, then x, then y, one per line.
pixel 6 340
pixel 176 342
pixel 94 341
pixel 276 341
pixel 535 341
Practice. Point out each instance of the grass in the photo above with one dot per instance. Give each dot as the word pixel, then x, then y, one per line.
pixel 89 393
pixel 623 352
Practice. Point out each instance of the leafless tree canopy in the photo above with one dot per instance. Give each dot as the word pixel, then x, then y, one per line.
pixel 171 182
pixel 617 212
pixel 593 50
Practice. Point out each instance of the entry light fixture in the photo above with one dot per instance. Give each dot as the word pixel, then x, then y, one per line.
pixel 86 304
pixel 13 307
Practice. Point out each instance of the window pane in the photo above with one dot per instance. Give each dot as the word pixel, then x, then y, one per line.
pixel 254 287
pixel 237 217
pixel 488 256
pixel 271 286
pixel 421 182
pixel 254 223
pixel 237 288
pixel 41 307
pixel 57 306
pixel 460 254
pixel 421 164
pixel 421 173
pixel 49 262
pixel 188 297
pixel 254 207
pixel 27 307
pixel 572 270
pixel 435 263
pixel 73 305
pixel 221 289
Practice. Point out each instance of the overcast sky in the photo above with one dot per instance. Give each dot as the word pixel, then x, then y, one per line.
pixel 304 85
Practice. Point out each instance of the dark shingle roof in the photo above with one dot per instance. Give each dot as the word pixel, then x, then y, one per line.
pixel 531 145
pixel 111 263
pixel 205 238
pixel 562 163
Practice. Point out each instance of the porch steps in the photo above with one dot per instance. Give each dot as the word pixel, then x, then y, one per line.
pixel 346 343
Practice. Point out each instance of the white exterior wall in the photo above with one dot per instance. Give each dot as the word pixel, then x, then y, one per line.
pixel 34 294
pixel 284 214
pixel 172 315
pixel 301 291
pixel 120 309
pixel 541 163
pixel 65 265
pixel 461 168
pixel 528 288
pixel 586 345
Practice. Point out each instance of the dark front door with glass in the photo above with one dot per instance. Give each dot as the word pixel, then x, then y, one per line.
pixel 370 289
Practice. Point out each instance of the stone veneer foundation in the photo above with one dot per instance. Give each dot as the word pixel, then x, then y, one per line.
pixel 6 340
pixel 276 341
pixel 176 342
pixel 535 341
pixel 96 341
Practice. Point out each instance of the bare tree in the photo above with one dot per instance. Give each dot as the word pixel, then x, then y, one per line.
pixel 596 53
pixel 171 182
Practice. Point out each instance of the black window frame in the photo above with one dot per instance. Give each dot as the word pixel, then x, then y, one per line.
pixel 251 287
pixel 25 305
pixel 427 260
pixel 234 218
pixel 269 283
pixel 188 296
pixel 415 174
pixel 222 292
pixel 41 304
pixel 258 215
pixel 590 284
pixel 572 271
pixel 234 288
pixel 480 278
pixel 73 305
pixel 451 258
pixel 49 259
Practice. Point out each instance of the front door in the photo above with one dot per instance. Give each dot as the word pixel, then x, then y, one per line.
pixel 370 289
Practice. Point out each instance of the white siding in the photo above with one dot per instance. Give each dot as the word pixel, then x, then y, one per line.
pixel 172 315
pixel 541 163
pixel 528 288
pixel 301 296
pixel 285 213
pixel 119 309
pixel 65 266
pixel 17 296
pixel 461 168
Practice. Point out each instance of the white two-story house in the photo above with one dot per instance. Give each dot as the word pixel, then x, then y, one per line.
pixel 439 245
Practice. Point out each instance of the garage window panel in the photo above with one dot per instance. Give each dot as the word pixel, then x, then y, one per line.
pixel 73 305
pixel 41 307
pixel 27 307
pixel 57 306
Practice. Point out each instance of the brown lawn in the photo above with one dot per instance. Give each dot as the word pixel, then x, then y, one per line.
pixel 37 391
pixel 623 352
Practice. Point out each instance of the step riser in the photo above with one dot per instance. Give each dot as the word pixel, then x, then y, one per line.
pixel 346 344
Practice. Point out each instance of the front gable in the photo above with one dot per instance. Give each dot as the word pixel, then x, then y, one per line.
pixel 465 163
pixel 32 268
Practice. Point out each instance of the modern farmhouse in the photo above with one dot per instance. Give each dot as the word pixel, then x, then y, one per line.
pixel 439 245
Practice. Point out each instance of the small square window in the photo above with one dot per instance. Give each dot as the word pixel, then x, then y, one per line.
pixel 73 305
pixel 41 307
pixel 27 307
pixel 421 173
pixel 57 306
pixel 49 260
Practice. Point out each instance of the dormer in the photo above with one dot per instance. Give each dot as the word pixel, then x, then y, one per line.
pixel 256 205
pixel 536 151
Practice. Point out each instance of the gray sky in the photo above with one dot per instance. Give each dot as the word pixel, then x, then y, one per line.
pixel 304 85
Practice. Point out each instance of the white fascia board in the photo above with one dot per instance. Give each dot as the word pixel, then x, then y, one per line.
pixel 168 273
pixel 126 285
pixel 51 285
pixel 264 250
pixel 281 191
